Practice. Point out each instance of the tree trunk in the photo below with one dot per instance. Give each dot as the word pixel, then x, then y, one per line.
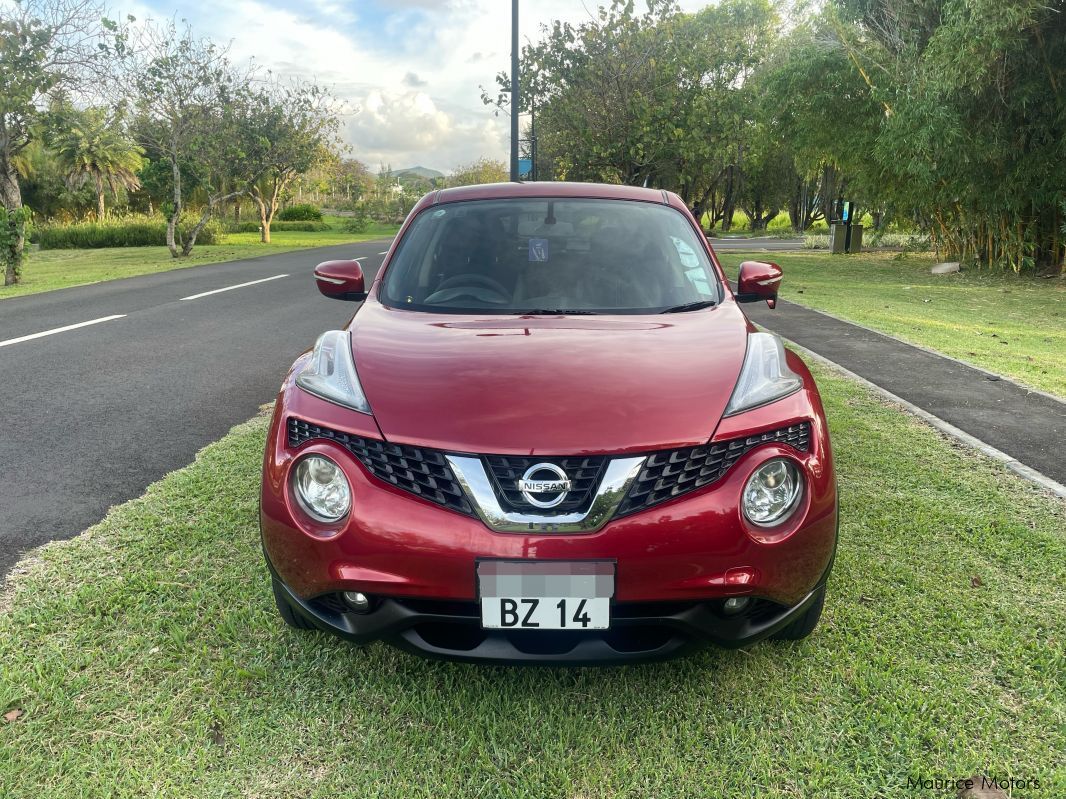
pixel 729 198
pixel 264 225
pixel 1047 251
pixel 11 199
pixel 801 205
pixel 197 228
pixel 265 219
pixel 175 214
pixel 99 200
pixel 205 217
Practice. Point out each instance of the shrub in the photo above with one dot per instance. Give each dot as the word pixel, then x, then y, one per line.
pixel 359 223
pixel 305 227
pixel 129 231
pixel 301 212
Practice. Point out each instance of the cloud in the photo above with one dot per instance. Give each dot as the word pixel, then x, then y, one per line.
pixel 410 70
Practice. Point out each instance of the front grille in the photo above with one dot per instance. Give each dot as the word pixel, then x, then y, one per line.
pixel 422 472
pixel 665 475
pixel 584 474
pixel 669 474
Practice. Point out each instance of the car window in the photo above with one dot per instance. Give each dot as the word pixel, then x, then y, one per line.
pixel 520 255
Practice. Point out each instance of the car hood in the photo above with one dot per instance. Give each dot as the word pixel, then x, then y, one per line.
pixel 545 385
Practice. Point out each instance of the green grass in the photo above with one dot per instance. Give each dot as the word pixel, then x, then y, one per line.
pixel 1010 324
pixel 148 660
pixel 56 269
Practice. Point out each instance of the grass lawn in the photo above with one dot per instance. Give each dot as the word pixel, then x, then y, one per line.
pixel 1012 325
pixel 58 269
pixel 146 658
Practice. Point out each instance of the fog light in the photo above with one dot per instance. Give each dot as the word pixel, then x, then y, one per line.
pixel 735 604
pixel 358 602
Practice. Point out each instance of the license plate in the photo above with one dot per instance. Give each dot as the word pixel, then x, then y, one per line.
pixel 545 595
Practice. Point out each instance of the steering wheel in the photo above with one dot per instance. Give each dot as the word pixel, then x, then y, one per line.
pixel 470 279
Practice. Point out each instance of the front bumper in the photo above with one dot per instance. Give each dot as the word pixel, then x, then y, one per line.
pixel 675 561
pixel 639 631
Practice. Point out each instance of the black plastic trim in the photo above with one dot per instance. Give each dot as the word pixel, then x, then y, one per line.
pixel 396 621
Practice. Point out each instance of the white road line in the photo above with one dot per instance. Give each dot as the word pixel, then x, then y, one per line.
pixel 230 288
pixel 360 258
pixel 384 253
pixel 63 329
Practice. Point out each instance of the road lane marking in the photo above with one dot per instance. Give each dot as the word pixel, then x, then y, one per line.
pixel 360 258
pixel 63 329
pixel 230 288
pixel 384 253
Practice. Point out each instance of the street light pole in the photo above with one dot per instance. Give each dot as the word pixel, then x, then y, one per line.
pixel 514 90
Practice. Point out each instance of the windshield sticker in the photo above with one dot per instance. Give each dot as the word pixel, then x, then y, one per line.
pixel 538 249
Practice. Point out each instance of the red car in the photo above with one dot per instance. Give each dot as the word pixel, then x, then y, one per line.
pixel 550 434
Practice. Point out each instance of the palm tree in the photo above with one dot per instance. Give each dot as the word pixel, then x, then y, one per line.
pixel 92 147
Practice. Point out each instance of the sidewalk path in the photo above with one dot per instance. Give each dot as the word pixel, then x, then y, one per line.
pixel 1027 425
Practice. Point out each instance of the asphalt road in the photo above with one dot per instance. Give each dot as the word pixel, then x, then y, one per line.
pixel 756 244
pixel 94 414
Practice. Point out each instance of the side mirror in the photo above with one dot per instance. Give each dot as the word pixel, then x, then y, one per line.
pixel 758 280
pixel 341 280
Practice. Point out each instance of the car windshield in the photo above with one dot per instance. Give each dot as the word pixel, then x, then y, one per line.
pixel 549 255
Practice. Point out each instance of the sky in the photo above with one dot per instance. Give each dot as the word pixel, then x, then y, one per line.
pixel 408 71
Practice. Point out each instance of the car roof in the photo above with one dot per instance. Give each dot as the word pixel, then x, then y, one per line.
pixel 599 191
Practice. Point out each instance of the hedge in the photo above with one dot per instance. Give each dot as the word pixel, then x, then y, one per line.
pixel 304 227
pixel 301 212
pixel 118 232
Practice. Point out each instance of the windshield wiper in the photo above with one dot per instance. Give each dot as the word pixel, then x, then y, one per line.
pixel 554 312
pixel 690 306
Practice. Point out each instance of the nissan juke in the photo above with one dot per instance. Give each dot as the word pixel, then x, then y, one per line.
pixel 549 434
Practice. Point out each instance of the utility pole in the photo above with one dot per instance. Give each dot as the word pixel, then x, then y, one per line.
pixel 514 90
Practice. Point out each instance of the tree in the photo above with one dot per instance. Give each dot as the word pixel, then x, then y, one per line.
pixel 953 112
pixel 291 127
pixel 484 170
pixel 196 115
pixel 91 148
pixel 651 99
pixel 45 46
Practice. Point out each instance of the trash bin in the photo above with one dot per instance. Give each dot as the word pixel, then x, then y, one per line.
pixel 855 239
pixel 838 233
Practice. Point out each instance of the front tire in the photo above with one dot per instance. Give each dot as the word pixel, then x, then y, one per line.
pixel 286 610
pixel 805 624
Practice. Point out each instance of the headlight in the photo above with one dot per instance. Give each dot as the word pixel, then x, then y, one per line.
pixel 330 374
pixel 772 492
pixel 322 488
pixel 765 376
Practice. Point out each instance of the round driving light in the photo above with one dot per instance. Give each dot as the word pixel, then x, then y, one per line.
pixel 735 604
pixel 357 601
pixel 772 492
pixel 322 488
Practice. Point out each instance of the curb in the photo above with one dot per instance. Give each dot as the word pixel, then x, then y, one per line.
pixel 1027 472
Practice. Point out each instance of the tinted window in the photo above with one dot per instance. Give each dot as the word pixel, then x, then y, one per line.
pixel 518 255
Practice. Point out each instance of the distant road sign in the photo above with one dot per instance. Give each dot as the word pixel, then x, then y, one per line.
pixel 525 168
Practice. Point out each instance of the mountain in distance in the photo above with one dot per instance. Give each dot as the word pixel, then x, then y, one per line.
pixel 417 172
